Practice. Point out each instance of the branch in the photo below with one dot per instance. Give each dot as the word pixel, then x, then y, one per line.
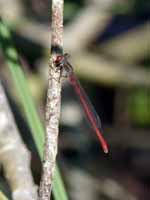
pixel 109 72
pixel 92 20
pixel 91 24
pixel 125 46
pixel 106 186
pixel 53 103
pixel 14 156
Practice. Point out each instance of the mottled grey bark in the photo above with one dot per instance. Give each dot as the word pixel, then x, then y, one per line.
pixel 53 104
pixel 14 156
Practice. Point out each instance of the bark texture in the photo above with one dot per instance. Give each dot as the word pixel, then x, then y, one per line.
pixel 53 103
pixel 14 156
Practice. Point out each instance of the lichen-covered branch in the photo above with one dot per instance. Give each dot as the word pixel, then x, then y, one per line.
pixel 53 103
pixel 14 156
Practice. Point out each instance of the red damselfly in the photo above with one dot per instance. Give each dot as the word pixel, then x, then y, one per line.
pixel 62 63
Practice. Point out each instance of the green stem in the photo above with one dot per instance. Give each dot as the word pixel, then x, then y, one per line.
pixel 28 104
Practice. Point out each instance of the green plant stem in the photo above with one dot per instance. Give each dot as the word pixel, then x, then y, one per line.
pixel 28 104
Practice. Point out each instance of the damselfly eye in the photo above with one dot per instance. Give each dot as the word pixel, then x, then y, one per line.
pixel 59 59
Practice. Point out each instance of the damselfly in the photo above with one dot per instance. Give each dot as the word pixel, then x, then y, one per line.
pixel 61 64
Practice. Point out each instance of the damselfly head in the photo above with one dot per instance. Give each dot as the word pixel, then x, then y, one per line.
pixel 59 59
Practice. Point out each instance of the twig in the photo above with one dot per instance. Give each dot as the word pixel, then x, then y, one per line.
pixel 105 71
pixel 125 46
pixel 27 103
pixel 14 156
pixel 108 187
pixel 53 103
pixel 89 23
pixel 110 72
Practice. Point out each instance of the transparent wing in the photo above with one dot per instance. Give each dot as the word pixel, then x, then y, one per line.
pixel 86 99
pixel 89 109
